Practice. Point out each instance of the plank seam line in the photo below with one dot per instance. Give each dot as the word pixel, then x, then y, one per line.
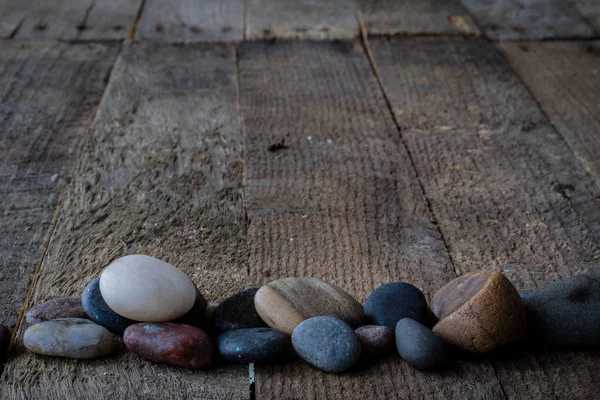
pixel 57 213
pixel 85 18
pixel 133 29
pixel 244 21
pixel 545 114
pixel 16 30
pixel 369 53
pixel 251 375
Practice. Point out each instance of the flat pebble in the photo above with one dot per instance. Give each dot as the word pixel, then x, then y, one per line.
pixel 4 341
pixel 97 309
pixel 286 302
pixel 566 312
pixel 169 343
pixel 391 302
pixel 259 345
pixel 64 307
pixel 69 337
pixel 144 288
pixel 237 312
pixel 376 340
pixel 419 346
pixel 327 343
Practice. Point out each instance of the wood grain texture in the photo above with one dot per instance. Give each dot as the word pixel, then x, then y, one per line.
pixel 192 20
pixel 61 19
pixel 48 96
pixel 506 190
pixel 590 10
pixel 160 175
pixel 110 19
pixel 409 17
pixel 301 19
pixel 342 203
pixel 12 13
pixel 528 19
pixel 568 90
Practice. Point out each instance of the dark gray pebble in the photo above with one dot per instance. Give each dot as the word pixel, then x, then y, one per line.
pixel 63 307
pixel 195 316
pixel 237 312
pixel 566 312
pixel 419 346
pixel 4 341
pixel 97 309
pixel 259 345
pixel 376 340
pixel 391 302
pixel 327 343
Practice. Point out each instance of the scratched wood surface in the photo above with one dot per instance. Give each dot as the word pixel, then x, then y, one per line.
pixel 409 17
pixel 192 20
pixel 12 13
pixel 590 11
pixel 110 19
pixel 528 19
pixel 504 187
pixel 61 19
pixel 568 90
pixel 301 19
pixel 48 97
pixel 342 203
pixel 161 175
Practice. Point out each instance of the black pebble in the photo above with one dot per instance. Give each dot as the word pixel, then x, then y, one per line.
pixel 391 302
pixel 419 346
pixel 195 316
pixel 237 312
pixel 260 345
pixel 566 312
pixel 99 312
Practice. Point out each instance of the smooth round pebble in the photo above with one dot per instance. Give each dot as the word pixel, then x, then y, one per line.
pixel 237 312
pixel 99 312
pixel 64 307
pixel 69 337
pixel 259 345
pixel 144 288
pixel 169 343
pixel 286 302
pixel 391 302
pixel 419 346
pixel 376 340
pixel 566 312
pixel 327 343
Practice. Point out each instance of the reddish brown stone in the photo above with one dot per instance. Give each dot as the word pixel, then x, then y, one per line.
pixel 479 312
pixel 168 343
pixel 376 340
pixel 64 307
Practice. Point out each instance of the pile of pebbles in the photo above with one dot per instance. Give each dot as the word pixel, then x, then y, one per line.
pixel 162 316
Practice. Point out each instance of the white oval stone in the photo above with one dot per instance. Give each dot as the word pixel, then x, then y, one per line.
pixel 146 289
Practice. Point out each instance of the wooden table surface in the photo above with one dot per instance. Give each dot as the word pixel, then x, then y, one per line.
pixel 425 139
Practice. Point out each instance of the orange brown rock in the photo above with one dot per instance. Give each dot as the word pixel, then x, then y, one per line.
pixel 479 312
pixel 286 302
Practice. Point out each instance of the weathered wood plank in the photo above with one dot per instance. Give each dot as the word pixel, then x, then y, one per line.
pixel 409 17
pixel 342 203
pixel 301 19
pixel 110 19
pixel 568 90
pixel 12 13
pixel 54 19
pixel 192 20
pixel 48 96
pixel 590 10
pixel 528 19
pixel 506 191
pixel 160 175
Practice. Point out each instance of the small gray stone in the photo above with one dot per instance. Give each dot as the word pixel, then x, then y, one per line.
pixel 69 337
pixel 419 346
pixel 376 340
pixel 64 307
pixel 566 312
pixel 391 302
pixel 327 343
pixel 237 312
